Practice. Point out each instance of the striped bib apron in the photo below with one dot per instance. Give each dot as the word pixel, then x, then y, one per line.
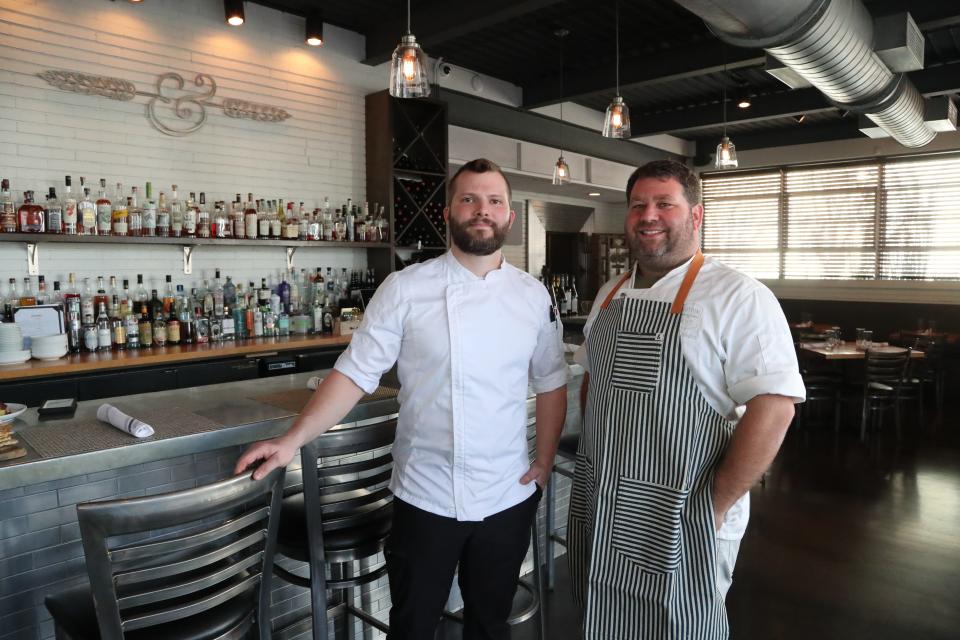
pixel 642 542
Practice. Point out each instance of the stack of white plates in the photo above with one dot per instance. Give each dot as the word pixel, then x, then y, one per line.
pixel 11 344
pixel 49 347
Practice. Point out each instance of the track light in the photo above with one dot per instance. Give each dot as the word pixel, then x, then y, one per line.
pixel 233 11
pixel 314 33
pixel 800 118
pixel 744 102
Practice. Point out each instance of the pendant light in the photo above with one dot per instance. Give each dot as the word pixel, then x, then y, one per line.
pixel 561 170
pixel 408 68
pixel 313 35
pixel 233 10
pixel 616 122
pixel 726 150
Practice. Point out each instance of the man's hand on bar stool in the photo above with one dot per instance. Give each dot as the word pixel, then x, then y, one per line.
pixel 332 400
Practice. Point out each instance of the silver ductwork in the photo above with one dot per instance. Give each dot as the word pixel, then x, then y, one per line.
pixel 830 44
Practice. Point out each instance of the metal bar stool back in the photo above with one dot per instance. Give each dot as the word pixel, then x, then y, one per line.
pixel 340 513
pixel 207 577
pixel 884 375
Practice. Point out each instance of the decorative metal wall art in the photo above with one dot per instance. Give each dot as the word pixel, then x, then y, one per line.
pixel 172 108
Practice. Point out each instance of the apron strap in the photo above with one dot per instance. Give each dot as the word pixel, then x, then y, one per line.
pixel 687 283
pixel 613 291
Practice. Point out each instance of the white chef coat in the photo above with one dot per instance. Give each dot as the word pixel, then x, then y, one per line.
pixel 466 349
pixel 735 341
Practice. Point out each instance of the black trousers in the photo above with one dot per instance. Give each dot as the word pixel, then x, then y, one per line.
pixel 423 552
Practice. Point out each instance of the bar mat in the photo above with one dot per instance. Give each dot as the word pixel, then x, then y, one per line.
pixel 55 440
pixel 297 399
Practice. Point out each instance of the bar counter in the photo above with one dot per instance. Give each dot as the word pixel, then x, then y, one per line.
pixel 114 360
pixel 40 549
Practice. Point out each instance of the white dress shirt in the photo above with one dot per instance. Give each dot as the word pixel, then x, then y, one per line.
pixel 735 341
pixel 466 350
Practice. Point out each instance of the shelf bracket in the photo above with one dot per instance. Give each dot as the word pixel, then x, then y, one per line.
pixel 188 258
pixel 290 252
pixel 33 258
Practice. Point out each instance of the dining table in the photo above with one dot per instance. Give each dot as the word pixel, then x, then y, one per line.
pixel 849 350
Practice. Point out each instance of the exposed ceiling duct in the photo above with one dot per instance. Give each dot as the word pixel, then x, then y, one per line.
pixel 830 45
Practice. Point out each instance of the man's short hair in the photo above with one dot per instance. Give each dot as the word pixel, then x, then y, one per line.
pixel 664 170
pixel 480 165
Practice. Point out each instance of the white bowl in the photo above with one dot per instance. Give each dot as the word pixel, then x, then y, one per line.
pixel 57 340
pixel 14 357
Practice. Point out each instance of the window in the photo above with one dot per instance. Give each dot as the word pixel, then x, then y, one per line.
pixel 893 219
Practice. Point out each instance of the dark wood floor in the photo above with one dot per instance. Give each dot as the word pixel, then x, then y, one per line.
pixel 845 541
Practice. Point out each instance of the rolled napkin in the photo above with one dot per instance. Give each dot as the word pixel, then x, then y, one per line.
pixel 314 382
pixel 109 413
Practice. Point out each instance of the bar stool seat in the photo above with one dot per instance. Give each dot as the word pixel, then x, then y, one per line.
pixel 74 611
pixel 362 538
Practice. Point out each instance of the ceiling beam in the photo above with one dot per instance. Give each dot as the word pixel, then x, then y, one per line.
pixel 442 22
pixel 692 62
pixel 493 117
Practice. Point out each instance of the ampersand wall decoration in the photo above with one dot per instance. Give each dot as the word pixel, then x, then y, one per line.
pixel 172 109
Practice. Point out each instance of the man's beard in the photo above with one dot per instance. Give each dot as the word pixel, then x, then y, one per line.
pixel 663 256
pixel 474 244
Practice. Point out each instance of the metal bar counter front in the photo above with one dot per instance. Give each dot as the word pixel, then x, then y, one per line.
pixel 40 549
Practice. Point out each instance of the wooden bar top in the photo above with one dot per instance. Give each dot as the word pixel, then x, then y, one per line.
pixel 106 360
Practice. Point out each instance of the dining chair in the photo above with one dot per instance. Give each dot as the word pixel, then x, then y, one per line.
pixel 883 381
pixel 208 577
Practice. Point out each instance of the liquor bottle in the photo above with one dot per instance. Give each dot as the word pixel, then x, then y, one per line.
pixel 89 330
pixel 250 221
pixel 42 290
pixel 350 224
pixel 190 214
pixel 159 329
pixel 101 295
pixel 277 221
pixel 174 329
pixel 176 215
pixel 284 293
pixel 30 215
pixel 295 297
pixel 236 219
pixel 104 210
pixel 222 222
pixel 239 321
pixel 29 297
pixel 145 327
pixel 74 322
pixel 135 214
pixel 203 218
pixel 86 213
pixel 163 216
pixel 327 318
pixel 130 321
pixel 218 295
pixel 228 330
pixel 140 296
pixel 71 293
pixel 87 304
pixel 104 337
pixel 57 296
pixel 149 223
pixel 120 215
pixel 156 307
pixel 303 225
pixel 263 221
pixel 328 228
pixel 187 326
pixel 118 328
pixel 230 293
pixel 70 213
pixel 169 298
pixel 8 213
pixel 53 213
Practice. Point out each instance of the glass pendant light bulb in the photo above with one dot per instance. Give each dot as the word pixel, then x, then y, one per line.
pixel 561 172
pixel 408 67
pixel 616 123
pixel 726 154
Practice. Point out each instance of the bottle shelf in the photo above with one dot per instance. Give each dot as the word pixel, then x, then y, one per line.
pixel 36 238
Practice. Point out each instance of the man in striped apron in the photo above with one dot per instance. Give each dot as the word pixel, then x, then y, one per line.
pixel 691 382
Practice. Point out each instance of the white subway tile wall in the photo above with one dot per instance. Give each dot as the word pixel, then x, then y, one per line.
pixel 46 133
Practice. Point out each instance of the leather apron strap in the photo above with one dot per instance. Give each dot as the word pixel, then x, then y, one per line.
pixel 682 292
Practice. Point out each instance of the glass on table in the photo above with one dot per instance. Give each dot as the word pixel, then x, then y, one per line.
pixel 866 339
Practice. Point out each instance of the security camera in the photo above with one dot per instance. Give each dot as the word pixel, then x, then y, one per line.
pixel 446 70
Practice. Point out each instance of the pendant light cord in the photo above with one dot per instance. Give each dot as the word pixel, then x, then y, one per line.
pixel 408 17
pixel 616 12
pixel 562 34
pixel 723 84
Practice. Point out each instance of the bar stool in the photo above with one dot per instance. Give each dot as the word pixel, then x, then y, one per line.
pixel 567 450
pixel 340 513
pixel 209 579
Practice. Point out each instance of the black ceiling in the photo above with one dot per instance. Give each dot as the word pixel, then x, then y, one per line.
pixel 672 69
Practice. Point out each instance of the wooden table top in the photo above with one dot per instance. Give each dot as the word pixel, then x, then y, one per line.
pixel 105 360
pixel 848 351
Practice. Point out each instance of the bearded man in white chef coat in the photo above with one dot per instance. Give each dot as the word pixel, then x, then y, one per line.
pixel 469 333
